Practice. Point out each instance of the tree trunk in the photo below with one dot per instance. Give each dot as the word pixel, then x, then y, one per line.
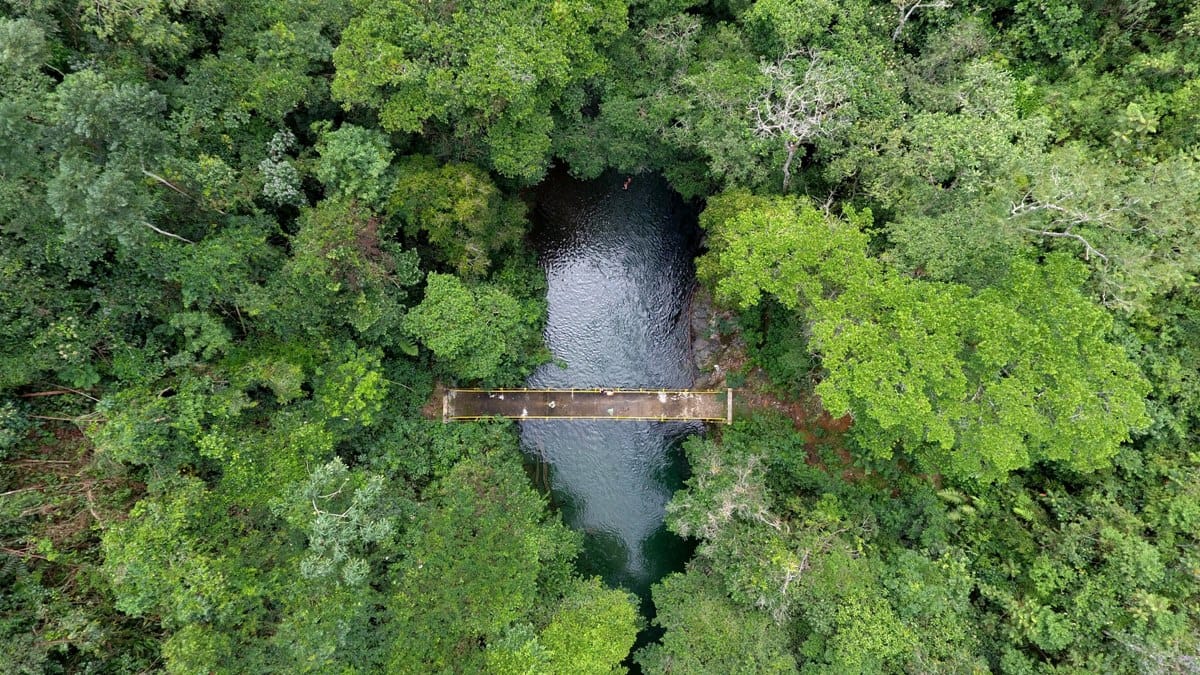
pixel 787 165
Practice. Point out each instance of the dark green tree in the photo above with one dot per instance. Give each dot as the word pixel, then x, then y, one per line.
pixel 479 333
pixel 466 219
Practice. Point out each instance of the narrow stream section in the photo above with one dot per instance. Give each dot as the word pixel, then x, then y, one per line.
pixel 618 259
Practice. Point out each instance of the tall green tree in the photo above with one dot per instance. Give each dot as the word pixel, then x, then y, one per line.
pixel 472 570
pixel 488 77
pixel 479 333
pixel 974 384
pixel 707 633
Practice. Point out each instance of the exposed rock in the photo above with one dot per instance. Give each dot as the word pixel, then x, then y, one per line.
pixel 713 355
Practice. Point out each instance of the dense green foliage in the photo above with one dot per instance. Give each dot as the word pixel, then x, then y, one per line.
pixel 491 76
pixel 240 242
pixel 974 384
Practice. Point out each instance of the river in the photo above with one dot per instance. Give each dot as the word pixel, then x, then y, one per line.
pixel 618 261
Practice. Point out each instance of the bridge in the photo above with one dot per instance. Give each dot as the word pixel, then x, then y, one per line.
pixel 659 405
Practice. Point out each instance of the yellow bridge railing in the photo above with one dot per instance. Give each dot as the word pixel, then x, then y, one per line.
pixel 663 405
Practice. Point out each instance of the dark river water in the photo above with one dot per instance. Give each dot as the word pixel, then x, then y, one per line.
pixel 619 266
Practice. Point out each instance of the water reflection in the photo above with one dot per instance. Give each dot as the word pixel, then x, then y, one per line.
pixel 619 266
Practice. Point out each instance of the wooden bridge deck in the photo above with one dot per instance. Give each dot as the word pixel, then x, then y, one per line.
pixel 611 404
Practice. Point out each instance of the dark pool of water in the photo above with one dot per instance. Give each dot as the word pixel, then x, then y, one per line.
pixel 619 266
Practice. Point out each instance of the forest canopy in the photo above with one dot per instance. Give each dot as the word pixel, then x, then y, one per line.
pixel 242 242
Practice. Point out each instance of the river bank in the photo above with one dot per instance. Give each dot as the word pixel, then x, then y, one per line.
pixel 721 358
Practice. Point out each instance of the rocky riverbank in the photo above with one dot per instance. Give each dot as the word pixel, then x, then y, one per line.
pixel 715 354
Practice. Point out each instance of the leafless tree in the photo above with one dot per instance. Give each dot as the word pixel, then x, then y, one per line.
pixel 1170 659
pixel 908 7
pixel 800 109
pixel 1062 204
pixel 1067 218
pixel 674 35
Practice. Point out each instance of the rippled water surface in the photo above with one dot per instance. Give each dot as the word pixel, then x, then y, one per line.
pixel 619 266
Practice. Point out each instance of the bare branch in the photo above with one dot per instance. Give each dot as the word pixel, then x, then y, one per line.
pixel 827 207
pixel 167 234
pixel 1088 249
pixel 674 34
pixel 80 393
pixel 1064 217
pixel 163 181
pixel 798 112
pixel 336 492
pixel 159 179
pixel 907 9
